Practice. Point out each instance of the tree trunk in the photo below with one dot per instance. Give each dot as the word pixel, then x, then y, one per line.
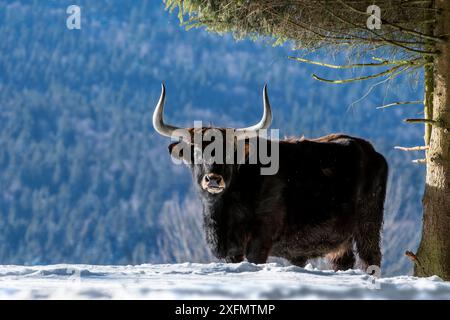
pixel 433 256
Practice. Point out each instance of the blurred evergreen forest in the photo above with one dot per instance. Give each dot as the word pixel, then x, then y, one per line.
pixel 85 179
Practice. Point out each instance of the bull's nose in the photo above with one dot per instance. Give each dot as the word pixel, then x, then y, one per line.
pixel 213 183
pixel 213 178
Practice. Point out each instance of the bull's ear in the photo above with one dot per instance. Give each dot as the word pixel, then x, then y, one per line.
pixel 175 150
pixel 181 151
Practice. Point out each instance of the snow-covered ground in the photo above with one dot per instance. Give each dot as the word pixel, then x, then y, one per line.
pixel 208 281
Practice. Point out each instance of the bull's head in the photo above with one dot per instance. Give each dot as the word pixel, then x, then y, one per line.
pixel 212 174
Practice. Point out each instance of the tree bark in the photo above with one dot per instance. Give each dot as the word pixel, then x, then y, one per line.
pixel 433 256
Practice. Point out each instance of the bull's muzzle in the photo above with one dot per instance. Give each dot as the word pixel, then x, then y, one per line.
pixel 213 183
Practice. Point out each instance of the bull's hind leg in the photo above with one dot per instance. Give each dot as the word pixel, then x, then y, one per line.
pixel 343 258
pixel 367 241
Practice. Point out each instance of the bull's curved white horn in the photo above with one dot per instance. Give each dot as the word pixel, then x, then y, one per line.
pixel 266 120
pixel 158 122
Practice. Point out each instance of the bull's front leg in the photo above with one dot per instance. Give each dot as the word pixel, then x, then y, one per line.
pixel 268 220
pixel 236 248
pixel 265 228
pixel 237 235
pixel 258 249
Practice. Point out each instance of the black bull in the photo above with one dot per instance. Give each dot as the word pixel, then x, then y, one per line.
pixel 326 198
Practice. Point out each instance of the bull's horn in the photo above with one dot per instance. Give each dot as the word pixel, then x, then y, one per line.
pixel 266 118
pixel 158 121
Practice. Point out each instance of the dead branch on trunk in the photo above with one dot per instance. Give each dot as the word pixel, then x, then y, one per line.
pixel 411 256
pixel 420 121
pixel 418 148
pixel 400 103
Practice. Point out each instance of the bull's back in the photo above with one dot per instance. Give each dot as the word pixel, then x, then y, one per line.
pixel 324 178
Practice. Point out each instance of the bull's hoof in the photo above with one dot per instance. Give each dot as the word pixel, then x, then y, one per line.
pixel 235 259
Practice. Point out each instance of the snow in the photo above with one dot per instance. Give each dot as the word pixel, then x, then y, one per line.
pixel 209 281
